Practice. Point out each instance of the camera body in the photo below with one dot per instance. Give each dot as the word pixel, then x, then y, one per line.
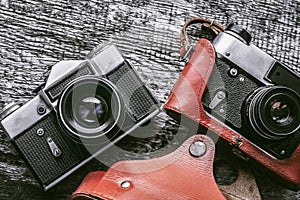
pixel 85 107
pixel 260 97
pixel 246 97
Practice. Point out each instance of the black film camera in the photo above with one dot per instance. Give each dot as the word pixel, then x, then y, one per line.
pixel 254 94
pixel 85 107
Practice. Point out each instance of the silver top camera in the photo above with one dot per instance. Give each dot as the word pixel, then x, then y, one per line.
pixel 85 107
pixel 254 94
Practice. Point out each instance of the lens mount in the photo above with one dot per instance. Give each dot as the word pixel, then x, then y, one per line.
pixel 90 107
pixel 274 112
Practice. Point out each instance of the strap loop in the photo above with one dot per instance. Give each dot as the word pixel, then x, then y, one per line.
pixel 206 23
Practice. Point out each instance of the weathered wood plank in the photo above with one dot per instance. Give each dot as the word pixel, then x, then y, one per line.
pixel 34 35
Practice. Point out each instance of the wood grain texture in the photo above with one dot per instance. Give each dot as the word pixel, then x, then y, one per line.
pixel 34 35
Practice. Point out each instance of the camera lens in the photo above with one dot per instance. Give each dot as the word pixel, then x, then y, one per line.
pixel 90 107
pixel 274 112
pixel 91 112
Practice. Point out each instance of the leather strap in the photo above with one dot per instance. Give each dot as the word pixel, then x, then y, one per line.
pixel 206 23
pixel 178 175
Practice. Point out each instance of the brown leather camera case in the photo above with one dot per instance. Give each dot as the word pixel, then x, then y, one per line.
pixel 185 99
pixel 178 175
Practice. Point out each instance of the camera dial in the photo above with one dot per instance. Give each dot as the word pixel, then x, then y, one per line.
pixel 240 32
pixel 90 107
pixel 274 112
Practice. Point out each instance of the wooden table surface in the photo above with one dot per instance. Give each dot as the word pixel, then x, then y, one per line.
pixel 34 35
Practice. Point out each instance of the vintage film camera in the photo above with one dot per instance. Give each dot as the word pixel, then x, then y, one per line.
pixel 245 96
pixel 85 107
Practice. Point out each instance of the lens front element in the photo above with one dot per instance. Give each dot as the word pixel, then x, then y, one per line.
pixel 280 112
pixel 274 112
pixel 91 112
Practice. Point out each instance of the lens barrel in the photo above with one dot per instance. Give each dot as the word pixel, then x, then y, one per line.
pixel 274 112
pixel 90 107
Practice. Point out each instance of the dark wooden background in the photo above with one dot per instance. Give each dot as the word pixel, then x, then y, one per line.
pixel 34 35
